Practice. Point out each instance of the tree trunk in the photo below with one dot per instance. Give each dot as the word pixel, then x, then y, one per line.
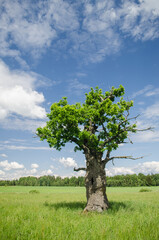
pixel 95 181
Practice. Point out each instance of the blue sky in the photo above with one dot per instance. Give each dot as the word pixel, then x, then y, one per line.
pixel 55 48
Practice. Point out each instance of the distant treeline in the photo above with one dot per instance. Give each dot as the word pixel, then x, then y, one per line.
pixel 116 181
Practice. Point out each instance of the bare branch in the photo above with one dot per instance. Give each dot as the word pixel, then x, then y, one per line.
pixel 85 148
pixel 127 129
pixel 107 159
pixel 130 140
pixel 102 99
pixel 108 154
pixel 126 157
pixel 146 129
pixel 111 96
pixel 79 169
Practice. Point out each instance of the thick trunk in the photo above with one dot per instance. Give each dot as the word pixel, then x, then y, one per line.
pixel 95 181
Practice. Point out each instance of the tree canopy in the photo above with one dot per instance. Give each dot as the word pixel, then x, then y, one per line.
pixel 99 124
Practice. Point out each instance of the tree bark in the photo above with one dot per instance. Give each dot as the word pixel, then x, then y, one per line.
pixel 95 181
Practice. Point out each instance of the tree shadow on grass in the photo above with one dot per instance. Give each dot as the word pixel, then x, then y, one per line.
pixel 113 206
pixel 117 206
pixel 67 205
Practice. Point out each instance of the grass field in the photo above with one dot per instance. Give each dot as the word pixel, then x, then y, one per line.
pixel 56 213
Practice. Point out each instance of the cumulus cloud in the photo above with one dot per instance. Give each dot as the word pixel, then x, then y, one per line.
pixel 68 162
pixel 34 165
pixel 12 165
pixel 80 173
pixel 145 168
pixel 17 94
pixel 148 167
pixel 119 171
pixel 33 171
pixel 46 172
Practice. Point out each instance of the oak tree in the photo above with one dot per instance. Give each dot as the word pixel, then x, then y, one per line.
pixel 97 127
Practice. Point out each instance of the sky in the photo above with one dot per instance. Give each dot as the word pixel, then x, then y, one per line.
pixel 55 48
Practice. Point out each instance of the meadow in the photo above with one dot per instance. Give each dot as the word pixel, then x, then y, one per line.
pixel 56 213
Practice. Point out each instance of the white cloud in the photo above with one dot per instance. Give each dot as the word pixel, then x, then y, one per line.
pixel 149 116
pixel 152 111
pixel 147 136
pixel 30 25
pixel 34 165
pixel 22 124
pixel 148 167
pixel 17 173
pixel 142 91
pixel 2 173
pixel 76 87
pixel 153 92
pixel 103 20
pixel 99 37
pixel 15 147
pixel 119 171
pixel 140 20
pixel 12 165
pixel 34 27
pixel 3 155
pixel 80 173
pixel 17 94
pixel 141 103
pixel 145 168
pixel 19 22
pixel 52 167
pixel 33 171
pixel 81 74
pixel 46 172
pixel 68 162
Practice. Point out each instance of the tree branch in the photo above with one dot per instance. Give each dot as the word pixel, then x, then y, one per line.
pixel 129 157
pixel 85 148
pixel 145 129
pixel 130 140
pixel 79 169
pixel 111 96
pixel 125 157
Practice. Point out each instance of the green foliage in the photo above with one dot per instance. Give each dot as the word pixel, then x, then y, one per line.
pixel 115 181
pixel 100 124
pixel 145 190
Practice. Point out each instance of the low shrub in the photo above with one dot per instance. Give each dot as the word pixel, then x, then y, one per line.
pixel 34 191
pixel 145 190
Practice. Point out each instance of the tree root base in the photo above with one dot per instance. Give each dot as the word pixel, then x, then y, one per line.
pixel 95 208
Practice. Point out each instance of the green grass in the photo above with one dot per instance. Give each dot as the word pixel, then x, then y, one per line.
pixel 55 213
